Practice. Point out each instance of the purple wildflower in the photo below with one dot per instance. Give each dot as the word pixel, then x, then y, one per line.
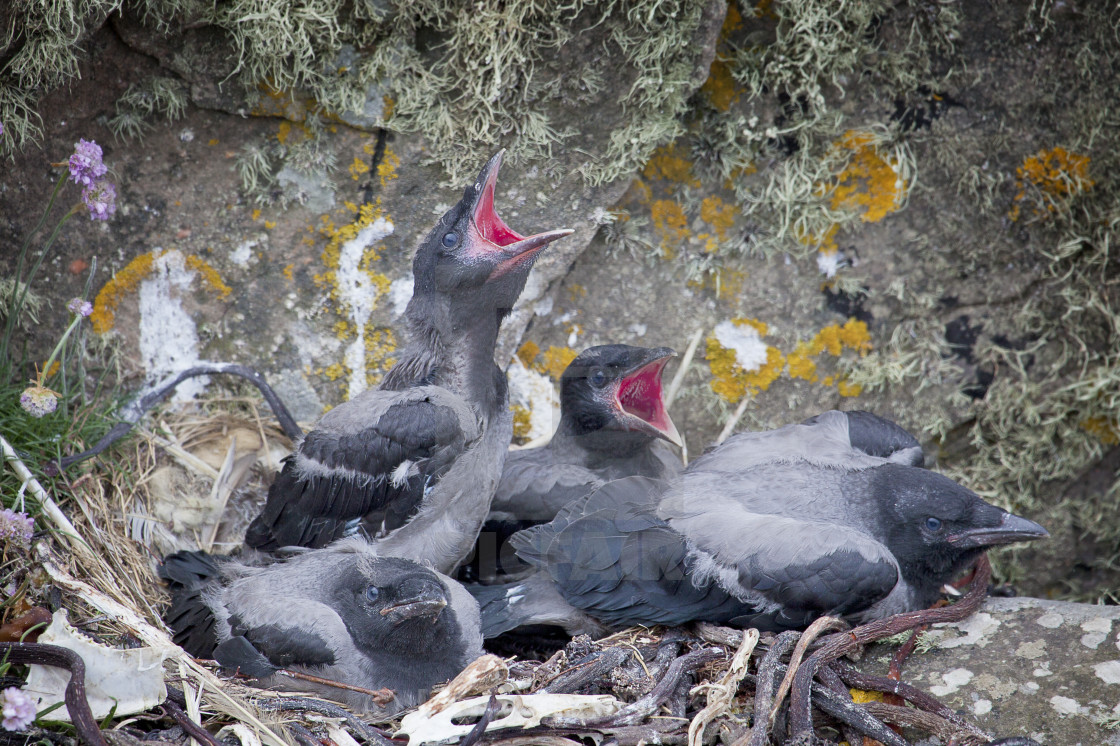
pixel 101 199
pixel 18 708
pixel 80 307
pixel 38 400
pixel 85 164
pixel 16 527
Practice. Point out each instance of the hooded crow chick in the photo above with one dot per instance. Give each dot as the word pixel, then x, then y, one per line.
pixel 417 459
pixel 613 424
pixel 768 530
pixel 340 613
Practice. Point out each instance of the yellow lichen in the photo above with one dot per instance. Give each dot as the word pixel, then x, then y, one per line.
pixel 256 213
pixel 729 379
pixel 288 272
pixel 387 169
pixel 848 389
pixel 1055 174
pixel 1105 429
pixel 380 343
pixel 800 363
pixel 666 165
pixel 718 214
pixel 522 421
pixel 720 86
pixel 859 696
pixel 334 371
pixel 528 352
pixel 555 360
pixel 671 224
pixel 358 168
pixel 834 338
pixel 128 278
pixel 870 183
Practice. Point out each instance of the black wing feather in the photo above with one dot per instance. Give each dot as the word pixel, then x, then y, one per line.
pixel 312 510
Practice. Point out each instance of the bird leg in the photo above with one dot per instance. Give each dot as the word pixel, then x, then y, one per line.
pixel 836 645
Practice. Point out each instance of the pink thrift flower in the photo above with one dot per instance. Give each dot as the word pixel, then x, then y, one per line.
pixel 38 400
pixel 85 164
pixel 101 199
pixel 18 708
pixel 80 307
pixel 16 527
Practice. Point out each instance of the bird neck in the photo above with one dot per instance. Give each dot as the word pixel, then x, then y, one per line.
pixel 453 348
pixel 598 445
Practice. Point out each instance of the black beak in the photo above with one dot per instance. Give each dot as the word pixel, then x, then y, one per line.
pixel 1013 528
pixel 425 599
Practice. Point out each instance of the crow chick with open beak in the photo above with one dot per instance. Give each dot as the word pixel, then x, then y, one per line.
pixel 769 530
pixel 339 613
pixel 613 424
pixel 417 459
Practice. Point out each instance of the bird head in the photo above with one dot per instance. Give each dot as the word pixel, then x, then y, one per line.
pixel 472 248
pixel 935 527
pixel 396 605
pixel 613 389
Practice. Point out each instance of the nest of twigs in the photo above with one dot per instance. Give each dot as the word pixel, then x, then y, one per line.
pixel 698 685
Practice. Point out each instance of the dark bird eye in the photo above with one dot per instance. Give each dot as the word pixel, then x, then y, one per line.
pixel 933 524
pixel 598 377
pixel 372 593
pixel 450 239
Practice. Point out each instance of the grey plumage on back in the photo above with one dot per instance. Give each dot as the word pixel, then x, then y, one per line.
pixel 770 530
pixel 416 461
pixel 340 613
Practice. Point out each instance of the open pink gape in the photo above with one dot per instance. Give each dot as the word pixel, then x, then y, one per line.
pixel 639 394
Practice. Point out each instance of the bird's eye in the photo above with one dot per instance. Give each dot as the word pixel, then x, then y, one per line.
pixel 933 524
pixel 450 239
pixel 598 377
pixel 372 593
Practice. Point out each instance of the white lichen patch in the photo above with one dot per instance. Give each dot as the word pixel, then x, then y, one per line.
pixel 977 630
pixel 954 680
pixel 358 294
pixel 1043 670
pixel 1064 705
pixel 1031 650
pixel 168 335
pixel 1108 672
pixel 1096 631
pixel 1050 620
pixel 750 350
pixel 1030 687
pixel 981 707
pixel 244 251
pixel 534 391
pixel 400 293
pixel 828 262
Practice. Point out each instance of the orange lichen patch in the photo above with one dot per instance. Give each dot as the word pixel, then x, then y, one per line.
pixel 729 379
pixel 764 9
pixel 256 214
pixel 860 697
pixel 337 236
pixel 870 183
pixel 269 224
pixel 824 241
pixel 848 389
pixel 732 22
pixel 720 87
pixel 209 275
pixel 800 363
pixel 288 273
pixel 358 168
pixel 555 360
pixel 639 192
pixel 283 131
pixel 522 421
pixel 213 141
pixel 834 338
pixel 1105 429
pixel 671 224
pixel 129 278
pixel 333 372
pixel 576 292
pixel 528 352
pixel 52 370
pixel 387 169
pixel 1055 175
pixel 390 104
pixel 666 165
pixel 718 214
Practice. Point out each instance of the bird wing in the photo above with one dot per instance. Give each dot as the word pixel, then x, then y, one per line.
pixel 534 487
pixel 846 440
pixel 382 450
pixel 610 556
pixel 786 536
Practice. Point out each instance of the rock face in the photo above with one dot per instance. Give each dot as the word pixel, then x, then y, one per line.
pixel 1047 670
pixel 845 217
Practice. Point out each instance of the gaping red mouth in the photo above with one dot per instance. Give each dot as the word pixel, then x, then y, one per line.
pixel 639 395
pixel 492 236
